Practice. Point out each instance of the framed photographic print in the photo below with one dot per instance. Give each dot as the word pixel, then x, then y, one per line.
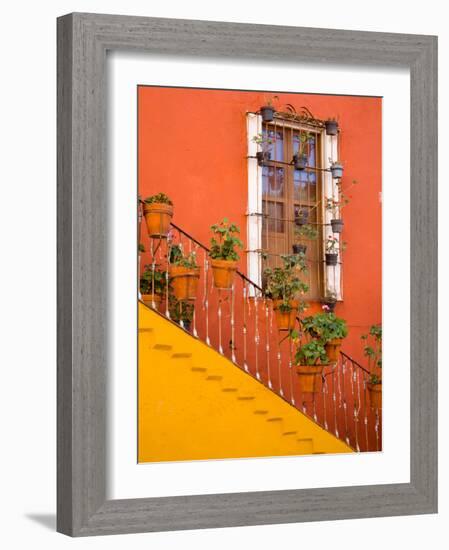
pixel 247 274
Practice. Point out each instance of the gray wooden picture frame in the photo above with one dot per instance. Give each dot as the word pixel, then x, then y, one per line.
pixel 83 40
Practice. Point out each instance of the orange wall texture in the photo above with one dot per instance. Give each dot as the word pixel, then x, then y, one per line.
pixel 192 145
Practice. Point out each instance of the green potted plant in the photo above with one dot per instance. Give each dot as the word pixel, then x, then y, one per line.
pixel 333 248
pixel 158 212
pixel 331 126
pixel 184 273
pixel 310 359
pixel 264 142
pixel 300 158
pixel 335 207
pixel 181 312
pixel 223 254
pixel 304 232
pixel 153 284
pixel 329 329
pixel 373 351
pixel 267 111
pixel 283 285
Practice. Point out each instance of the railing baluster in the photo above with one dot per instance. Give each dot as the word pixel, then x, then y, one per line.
pixel 290 368
pixel 232 326
pixel 167 277
pixel 245 330
pixel 256 335
pixel 365 411
pixel 334 401
pixel 220 347
pixel 357 410
pixel 267 340
pixel 324 392
pixel 206 297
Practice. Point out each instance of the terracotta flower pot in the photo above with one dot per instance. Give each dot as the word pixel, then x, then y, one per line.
pixel 375 395
pixel 263 157
pixel 223 272
pixel 184 281
pixel 285 320
pixel 308 377
pixel 158 216
pixel 151 300
pixel 333 349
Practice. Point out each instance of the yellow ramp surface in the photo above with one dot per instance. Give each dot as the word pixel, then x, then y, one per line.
pixel 196 404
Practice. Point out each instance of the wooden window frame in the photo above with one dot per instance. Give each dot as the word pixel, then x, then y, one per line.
pixel 330 277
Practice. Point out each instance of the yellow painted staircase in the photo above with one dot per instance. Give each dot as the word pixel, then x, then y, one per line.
pixel 196 404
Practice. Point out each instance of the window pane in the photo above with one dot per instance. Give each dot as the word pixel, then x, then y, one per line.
pixel 277 147
pixel 273 181
pixel 304 186
pixel 273 216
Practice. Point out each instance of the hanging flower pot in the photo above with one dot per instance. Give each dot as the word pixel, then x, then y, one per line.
pixel 309 377
pixel 263 157
pixel 331 258
pixel 331 127
pixel 223 272
pixel 337 170
pixel 299 248
pixel 375 395
pixel 158 212
pixel 184 281
pixel 337 226
pixel 151 300
pixel 333 349
pixel 267 113
pixel 285 313
pixel 300 161
pixel 301 217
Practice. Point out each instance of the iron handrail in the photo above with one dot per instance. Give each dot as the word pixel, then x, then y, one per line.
pixel 201 245
pixel 346 356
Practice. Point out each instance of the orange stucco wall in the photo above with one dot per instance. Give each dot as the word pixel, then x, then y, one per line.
pixel 192 145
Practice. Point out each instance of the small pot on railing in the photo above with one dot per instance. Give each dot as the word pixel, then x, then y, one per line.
pixel 223 272
pixel 331 127
pixel 308 377
pixel 263 157
pixel 375 395
pixel 267 113
pixel 337 170
pixel 299 248
pixel 300 161
pixel 158 217
pixel 285 313
pixel 333 349
pixel 337 225
pixel 151 300
pixel 331 258
pixel 184 281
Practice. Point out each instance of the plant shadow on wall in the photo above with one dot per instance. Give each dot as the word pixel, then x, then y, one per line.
pixel 198 288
